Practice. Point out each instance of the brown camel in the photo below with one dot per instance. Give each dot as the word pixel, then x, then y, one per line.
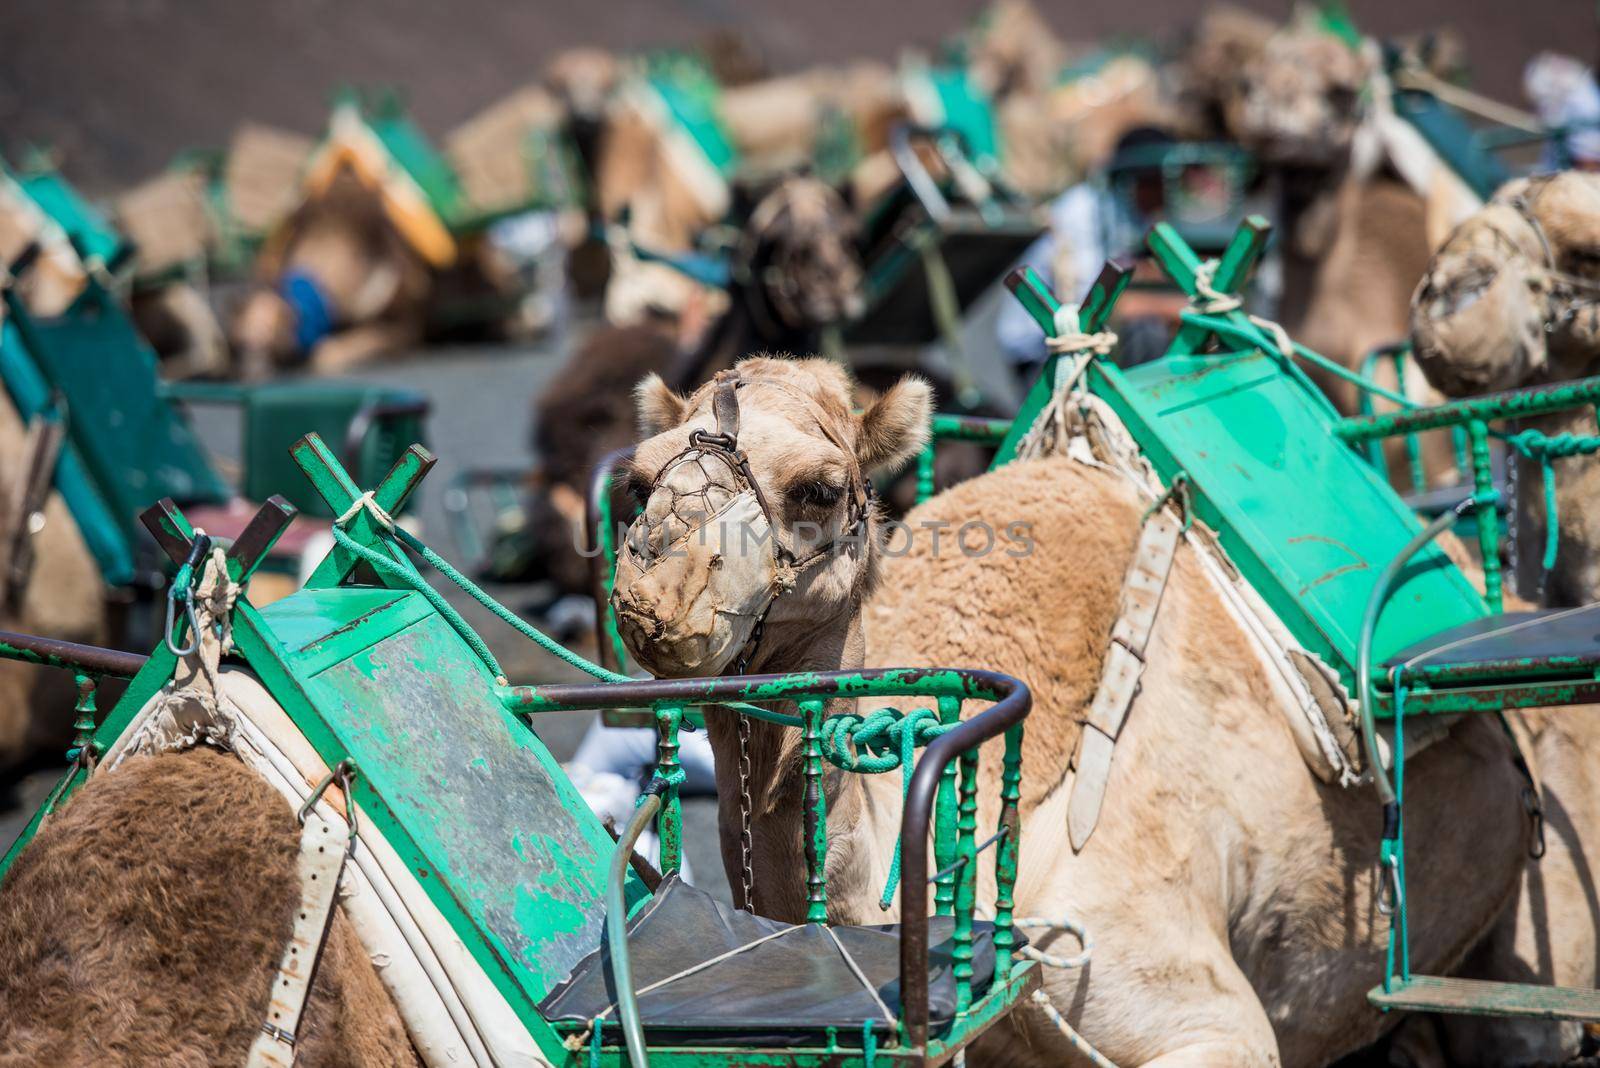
pixel 795 273
pixel 1231 894
pixel 1508 301
pixel 359 291
pixel 144 924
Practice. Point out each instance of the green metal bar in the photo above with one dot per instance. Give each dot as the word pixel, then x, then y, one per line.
pixel 759 689
pixel 52 652
pixel 1512 404
pixel 966 879
pixel 1493 697
pixel 1006 851
pixel 816 812
pixel 944 824
pixel 608 583
pixel 925 460
pixel 670 826
pixel 1364 406
pixel 1483 492
pixel 955 428
pixel 1026 285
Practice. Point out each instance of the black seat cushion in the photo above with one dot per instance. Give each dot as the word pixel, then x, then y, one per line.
pixel 783 992
pixel 1500 646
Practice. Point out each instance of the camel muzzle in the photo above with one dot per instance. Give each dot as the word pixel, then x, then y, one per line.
pixel 689 608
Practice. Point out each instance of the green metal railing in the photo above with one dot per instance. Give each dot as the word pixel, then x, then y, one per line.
pixel 941 790
pixel 1397 355
pixel 944 428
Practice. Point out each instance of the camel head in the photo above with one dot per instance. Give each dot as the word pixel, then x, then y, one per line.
pixel 1292 96
pixel 1509 299
pixel 797 256
pixel 758 513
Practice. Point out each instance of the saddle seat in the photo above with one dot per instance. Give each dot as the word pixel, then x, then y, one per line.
pixel 1549 645
pixel 760 982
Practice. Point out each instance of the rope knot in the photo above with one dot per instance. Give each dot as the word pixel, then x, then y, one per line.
pixel 373 508
pixel 1101 343
pixel 1210 300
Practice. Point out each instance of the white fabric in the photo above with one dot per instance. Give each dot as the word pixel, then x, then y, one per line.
pixel 1142 587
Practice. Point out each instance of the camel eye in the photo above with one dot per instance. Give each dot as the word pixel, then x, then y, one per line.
pixel 640 488
pixel 815 493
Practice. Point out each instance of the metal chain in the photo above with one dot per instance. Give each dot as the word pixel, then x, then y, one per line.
pixel 746 840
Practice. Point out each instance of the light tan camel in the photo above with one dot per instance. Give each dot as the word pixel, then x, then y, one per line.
pixel 1354 235
pixel 361 293
pixel 1510 300
pixel 61 595
pixel 1230 893
pixel 145 922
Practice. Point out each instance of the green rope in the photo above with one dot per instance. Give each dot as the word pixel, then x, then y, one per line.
pixel 1392 851
pixel 1543 449
pixel 595 1030
pixel 384 564
pixel 869 1045
pixel 877 742
pixel 1257 338
pixel 500 611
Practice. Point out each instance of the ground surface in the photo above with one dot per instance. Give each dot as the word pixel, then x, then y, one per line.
pixel 120 86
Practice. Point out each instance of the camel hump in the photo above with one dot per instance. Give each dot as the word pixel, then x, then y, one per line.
pixel 153 906
pixel 977 557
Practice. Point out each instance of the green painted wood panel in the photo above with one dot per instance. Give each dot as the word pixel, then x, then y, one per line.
pixel 502 828
pixel 1308 521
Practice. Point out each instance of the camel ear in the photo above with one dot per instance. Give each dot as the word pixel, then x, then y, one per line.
pixel 895 426
pixel 659 407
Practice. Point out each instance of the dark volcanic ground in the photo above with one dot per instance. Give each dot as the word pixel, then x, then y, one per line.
pixel 120 86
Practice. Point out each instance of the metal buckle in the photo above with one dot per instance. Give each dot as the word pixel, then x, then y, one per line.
pixel 701 440
pixel 280 1034
pixel 344 772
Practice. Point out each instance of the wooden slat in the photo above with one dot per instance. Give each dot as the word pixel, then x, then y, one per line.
pixel 1477 997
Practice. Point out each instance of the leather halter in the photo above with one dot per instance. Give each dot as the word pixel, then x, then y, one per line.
pixel 724 444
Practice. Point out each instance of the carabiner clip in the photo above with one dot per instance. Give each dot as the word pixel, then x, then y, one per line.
pixel 1390 896
pixel 183 589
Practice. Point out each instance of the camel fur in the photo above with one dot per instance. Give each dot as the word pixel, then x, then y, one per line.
pixel 1508 301
pixel 144 924
pixel 1231 894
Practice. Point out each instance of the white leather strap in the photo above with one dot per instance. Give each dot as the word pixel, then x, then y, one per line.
pixel 323 848
pixel 1142 588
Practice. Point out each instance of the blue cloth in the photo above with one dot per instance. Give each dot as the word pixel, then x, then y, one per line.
pixel 313 317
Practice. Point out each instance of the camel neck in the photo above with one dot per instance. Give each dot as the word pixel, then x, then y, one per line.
pixel 775 761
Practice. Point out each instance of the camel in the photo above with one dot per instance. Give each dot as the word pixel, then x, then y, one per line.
pixel 1355 234
pixel 338 285
pixel 190 859
pixel 1230 892
pixel 1508 301
pixel 796 273
pixel 59 593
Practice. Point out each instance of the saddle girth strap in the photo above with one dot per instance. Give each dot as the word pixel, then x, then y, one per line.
pixel 1142 587
pixel 324 846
